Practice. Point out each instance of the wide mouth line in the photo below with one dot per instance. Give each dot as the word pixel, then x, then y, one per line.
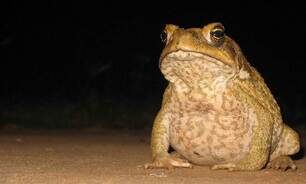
pixel 187 55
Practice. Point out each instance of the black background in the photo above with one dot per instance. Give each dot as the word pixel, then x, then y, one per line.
pixel 77 64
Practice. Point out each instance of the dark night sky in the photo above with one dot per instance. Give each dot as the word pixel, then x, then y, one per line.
pixel 56 49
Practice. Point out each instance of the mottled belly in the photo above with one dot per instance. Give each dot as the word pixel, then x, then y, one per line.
pixel 212 138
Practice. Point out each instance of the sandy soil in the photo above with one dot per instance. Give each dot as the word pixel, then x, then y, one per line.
pixel 107 157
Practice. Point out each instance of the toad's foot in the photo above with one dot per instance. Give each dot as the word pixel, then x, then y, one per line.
pixel 282 163
pixel 168 162
pixel 229 166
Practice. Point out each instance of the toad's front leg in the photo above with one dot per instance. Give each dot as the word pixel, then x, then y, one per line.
pixel 160 143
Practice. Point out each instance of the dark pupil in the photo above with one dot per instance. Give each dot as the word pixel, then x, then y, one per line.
pixel 218 33
pixel 163 36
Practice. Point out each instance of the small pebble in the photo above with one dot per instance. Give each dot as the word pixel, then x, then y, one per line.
pixel 159 175
pixel 19 140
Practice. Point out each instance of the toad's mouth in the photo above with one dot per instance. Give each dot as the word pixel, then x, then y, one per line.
pixel 182 55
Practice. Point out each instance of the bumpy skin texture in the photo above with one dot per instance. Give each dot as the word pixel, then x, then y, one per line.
pixel 217 109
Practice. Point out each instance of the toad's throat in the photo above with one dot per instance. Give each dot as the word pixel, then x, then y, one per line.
pixel 193 69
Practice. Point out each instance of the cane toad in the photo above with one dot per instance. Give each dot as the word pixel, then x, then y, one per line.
pixel 217 110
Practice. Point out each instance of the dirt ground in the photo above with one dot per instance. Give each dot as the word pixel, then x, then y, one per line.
pixel 107 157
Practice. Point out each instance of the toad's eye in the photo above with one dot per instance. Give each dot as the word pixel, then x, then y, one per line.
pixel 163 36
pixel 217 36
pixel 217 33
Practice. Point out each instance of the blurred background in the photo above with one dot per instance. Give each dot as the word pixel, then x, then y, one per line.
pixel 83 65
